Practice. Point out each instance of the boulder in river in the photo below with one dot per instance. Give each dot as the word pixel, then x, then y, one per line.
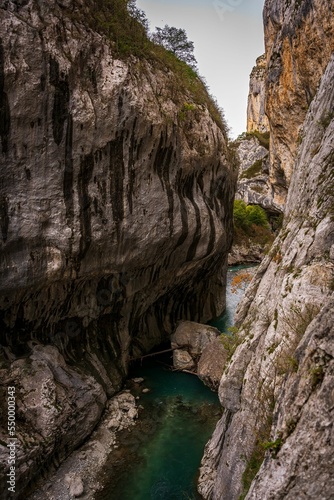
pixel 193 337
pixel 182 360
pixel 200 350
pixel 212 363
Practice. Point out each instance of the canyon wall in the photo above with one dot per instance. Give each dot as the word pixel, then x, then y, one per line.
pixel 256 117
pixel 115 209
pixel 275 438
pixel 299 41
pixel 253 185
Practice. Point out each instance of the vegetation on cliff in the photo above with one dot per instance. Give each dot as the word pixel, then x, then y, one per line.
pixel 253 170
pixel 251 223
pixel 127 27
pixel 263 137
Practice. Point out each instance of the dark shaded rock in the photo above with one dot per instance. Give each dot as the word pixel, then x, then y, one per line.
pixel 115 217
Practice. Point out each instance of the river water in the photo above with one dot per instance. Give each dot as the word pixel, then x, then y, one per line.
pixel 159 458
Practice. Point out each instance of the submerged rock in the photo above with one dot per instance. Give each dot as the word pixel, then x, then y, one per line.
pixel 138 380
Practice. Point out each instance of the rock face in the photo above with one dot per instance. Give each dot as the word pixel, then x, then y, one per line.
pixel 299 40
pixel 81 475
pixel 254 188
pixel 212 362
pixel 277 390
pixel 253 183
pixel 307 425
pixel 115 218
pixel 246 253
pixel 249 152
pixel 256 117
pixel 56 408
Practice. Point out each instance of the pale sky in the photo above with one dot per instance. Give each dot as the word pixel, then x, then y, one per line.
pixel 228 37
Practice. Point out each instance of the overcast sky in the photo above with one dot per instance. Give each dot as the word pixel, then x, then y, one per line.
pixel 228 37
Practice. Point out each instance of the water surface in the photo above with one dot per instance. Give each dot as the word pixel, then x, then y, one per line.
pixel 159 458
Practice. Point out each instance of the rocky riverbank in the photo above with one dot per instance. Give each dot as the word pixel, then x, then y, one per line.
pixel 81 474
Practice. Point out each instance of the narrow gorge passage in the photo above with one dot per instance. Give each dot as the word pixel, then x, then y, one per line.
pixel 124 197
pixel 159 458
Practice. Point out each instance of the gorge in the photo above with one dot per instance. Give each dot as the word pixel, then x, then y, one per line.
pixel 116 213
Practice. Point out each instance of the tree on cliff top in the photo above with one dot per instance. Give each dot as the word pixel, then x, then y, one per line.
pixel 176 41
pixel 138 14
pixel 127 27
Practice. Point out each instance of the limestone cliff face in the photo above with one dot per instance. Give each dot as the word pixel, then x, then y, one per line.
pixel 278 386
pixel 277 390
pixel 299 40
pixel 256 117
pixel 115 219
pixel 253 183
pixel 303 393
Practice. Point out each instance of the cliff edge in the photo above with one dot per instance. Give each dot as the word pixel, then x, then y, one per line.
pixel 115 205
pixel 274 440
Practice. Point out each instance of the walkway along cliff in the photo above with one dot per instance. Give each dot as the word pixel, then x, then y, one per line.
pixel 275 439
pixel 116 215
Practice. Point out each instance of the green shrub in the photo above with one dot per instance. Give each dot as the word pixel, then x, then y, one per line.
pixel 246 215
pixel 263 137
pixel 266 401
pixel 251 223
pixel 253 170
pixel 231 341
pixel 240 214
pixel 256 215
pixel 253 466
pixel 186 108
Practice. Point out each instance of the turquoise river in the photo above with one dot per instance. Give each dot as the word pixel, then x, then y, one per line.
pixel 159 458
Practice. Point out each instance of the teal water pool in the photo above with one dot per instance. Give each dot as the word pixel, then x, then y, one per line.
pixel 159 458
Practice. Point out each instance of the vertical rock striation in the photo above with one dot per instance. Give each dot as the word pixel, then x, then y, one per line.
pixel 115 211
pixel 299 40
pixel 277 390
pixel 256 117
